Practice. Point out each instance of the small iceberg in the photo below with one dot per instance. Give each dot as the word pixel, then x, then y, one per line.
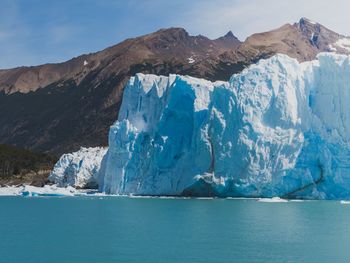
pixel 11 190
pixel 47 190
pixel 272 200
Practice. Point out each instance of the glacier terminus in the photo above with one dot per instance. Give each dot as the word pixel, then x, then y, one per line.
pixel 280 128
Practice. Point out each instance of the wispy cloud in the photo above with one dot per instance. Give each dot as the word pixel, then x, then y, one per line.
pixel 247 17
pixel 4 35
pixel 61 33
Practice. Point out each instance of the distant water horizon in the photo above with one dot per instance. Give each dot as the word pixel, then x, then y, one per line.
pixel 116 229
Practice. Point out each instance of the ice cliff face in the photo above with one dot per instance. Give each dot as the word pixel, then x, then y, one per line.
pixel 280 128
pixel 79 169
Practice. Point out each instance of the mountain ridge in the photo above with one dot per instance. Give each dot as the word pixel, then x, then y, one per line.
pixel 58 108
pixel 77 65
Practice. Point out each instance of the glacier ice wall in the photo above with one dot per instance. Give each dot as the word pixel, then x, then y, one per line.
pixel 279 128
pixel 79 169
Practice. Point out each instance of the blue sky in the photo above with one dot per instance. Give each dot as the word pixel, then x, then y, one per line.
pixel 33 32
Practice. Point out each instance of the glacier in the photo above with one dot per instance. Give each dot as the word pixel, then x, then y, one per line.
pixel 280 128
pixel 79 169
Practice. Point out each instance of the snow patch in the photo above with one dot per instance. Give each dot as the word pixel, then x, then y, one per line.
pixel 331 48
pixel 312 37
pixel 343 43
pixel 190 60
pixel 272 200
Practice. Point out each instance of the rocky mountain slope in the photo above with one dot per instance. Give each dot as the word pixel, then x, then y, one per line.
pixel 58 108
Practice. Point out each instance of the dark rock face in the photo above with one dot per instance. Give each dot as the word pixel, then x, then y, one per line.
pixel 319 36
pixel 57 108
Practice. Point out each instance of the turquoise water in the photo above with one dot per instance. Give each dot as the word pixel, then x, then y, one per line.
pixel 128 230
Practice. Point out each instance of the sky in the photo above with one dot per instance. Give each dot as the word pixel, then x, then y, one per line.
pixel 34 32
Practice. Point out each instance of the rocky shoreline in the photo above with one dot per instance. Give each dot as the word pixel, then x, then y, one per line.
pixel 38 179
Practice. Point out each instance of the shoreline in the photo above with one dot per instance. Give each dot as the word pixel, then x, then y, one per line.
pixel 55 191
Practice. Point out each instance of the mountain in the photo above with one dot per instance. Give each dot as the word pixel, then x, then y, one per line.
pixel 302 40
pixel 173 46
pixel 58 108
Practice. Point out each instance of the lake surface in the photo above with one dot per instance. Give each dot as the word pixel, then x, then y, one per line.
pixel 127 230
